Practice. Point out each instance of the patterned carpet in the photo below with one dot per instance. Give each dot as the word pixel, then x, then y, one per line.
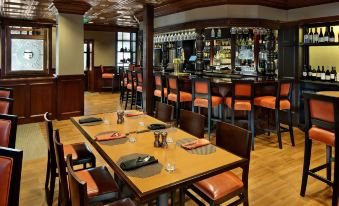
pixel 31 141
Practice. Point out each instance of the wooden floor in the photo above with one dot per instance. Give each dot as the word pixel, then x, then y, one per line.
pixel 275 175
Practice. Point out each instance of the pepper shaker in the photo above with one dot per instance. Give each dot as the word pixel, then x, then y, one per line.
pixel 157 139
pixel 164 139
pixel 120 115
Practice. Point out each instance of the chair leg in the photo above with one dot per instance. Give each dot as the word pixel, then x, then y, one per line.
pixel 177 109
pixel 245 196
pixel 277 127
pixel 48 171
pixel 335 184
pixel 52 186
pixel 252 127
pixel 328 162
pixel 127 94
pixel 209 122
pixel 290 125
pixel 232 117
pixel 132 98
pixel 307 159
pixel 268 123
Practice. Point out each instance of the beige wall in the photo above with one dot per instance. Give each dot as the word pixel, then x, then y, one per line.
pixel 104 47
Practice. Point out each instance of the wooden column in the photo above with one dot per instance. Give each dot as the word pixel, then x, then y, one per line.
pixel 148 28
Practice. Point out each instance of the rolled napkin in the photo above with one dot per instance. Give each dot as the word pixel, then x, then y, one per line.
pixel 134 114
pixel 137 163
pixel 89 120
pixel 109 136
pixel 156 126
pixel 195 144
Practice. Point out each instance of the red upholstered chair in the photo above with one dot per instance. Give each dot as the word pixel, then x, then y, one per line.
pixel 160 91
pixel 280 102
pixel 202 97
pixel 242 100
pixel 81 154
pixel 6 105
pixel 101 184
pixel 10 175
pixel 6 92
pixel 79 192
pixel 176 95
pixel 322 125
pixel 8 127
pixel 227 185
pixel 130 88
pixel 139 89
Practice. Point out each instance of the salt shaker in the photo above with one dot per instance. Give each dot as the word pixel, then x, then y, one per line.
pixel 120 115
pixel 164 139
pixel 157 139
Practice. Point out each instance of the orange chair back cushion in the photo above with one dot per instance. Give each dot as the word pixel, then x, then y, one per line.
pixel 6 165
pixel 201 87
pixel 172 83
pixel 285 89
pixel 158 80
pixel 4 93
pixel 139 77
pixel 243 90
pixel 4 107
pixel 5 130
pixel 322 110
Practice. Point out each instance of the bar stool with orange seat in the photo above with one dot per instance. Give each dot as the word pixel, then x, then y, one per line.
pixel 130 88
pixel 107 74
pixel 139 89
pixel 280 102
pixel 160 91
pixel 6 92
pixel 176 95
pixel 10 176
pixel 123 83
pixel 8 127
pixel 322 125
pixel 242 100
pixel 202 97
pixel 6 105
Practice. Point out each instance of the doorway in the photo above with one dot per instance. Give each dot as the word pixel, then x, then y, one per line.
pixel 89 65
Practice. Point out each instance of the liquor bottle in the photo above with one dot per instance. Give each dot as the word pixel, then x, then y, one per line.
pixel 326 35
pixel 310 37
pixel 328 74
pixel 333 74
pixel 309 74
pixel 306 36
pixel 304 74
pixel 322 74
pixel 314 74
pixel 316 36
pixel 318 74
pixel 321 36
pixel 331 35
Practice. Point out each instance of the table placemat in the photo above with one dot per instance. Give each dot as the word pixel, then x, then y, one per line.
pixel 204 150
pixel 142 172
pixel 113 141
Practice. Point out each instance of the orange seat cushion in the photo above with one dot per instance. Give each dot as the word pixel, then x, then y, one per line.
pixel 239 104
pixel 269 102
pixel 5 131
pixel 200 102
pixel 157 92
pixel 6 166
pixel 99 181
pixel 78 151
pixel 4 107
pixel 129 86
pixel 220 185
pixel 107 76
pixel 184 97
pixel 139 88
pixel 322 135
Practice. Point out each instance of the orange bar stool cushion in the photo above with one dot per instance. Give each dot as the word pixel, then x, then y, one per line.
pixel 107 76
pixel 157 92
pixel 139 88
pixel 5 130
pixel 184 97
pixel 269 102
pixel 322 135
pixel 201 102
pixel 219 186
pixel 129 86
pixel 238 104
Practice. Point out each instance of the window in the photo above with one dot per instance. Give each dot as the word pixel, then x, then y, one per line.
pixel 88 49
pixel 27 50
pixel 126 48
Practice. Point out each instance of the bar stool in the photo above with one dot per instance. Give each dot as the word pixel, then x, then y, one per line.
pixel 202 97
pixel 280 102
pixel 130 88
pixel 139 89
pixel 176 95
pixel 160 91
pixel 105 74
pixel 123 83
pixel 6 92
pixel 242 100
pixel 8 127
pixel 322 125
pixel 6 105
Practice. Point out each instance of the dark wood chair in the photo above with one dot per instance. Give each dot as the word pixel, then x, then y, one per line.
pixel 10 176
pixel 81 154
pixel 280 102
pixel 160 91
pixel 130 88
pixel 101 184
pixel 79 192
pixel 322 125
pixel 6 105
pixel 8 127
pixel 108 73
pixel 164 112
pixel 6 92
pixel 123 83
pixel 139 89
pixel 192 123
pixel 227 185
pixel 202 98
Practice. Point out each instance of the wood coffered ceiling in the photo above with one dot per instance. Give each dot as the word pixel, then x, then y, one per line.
pixel 124 12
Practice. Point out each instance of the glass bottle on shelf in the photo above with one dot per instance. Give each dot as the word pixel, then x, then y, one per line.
pixel 306 36
pixel 326 35
pixel 333 74
pixel 314 74
pixel 331 39
pixel 304 74
pixel 310 36
pixel 309 75
pixel 321 36
pixel 318 74
pixel 322 74
pixel 316 36
pixel 328 74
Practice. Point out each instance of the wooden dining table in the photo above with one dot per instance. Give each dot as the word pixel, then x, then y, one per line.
pixel 329 93
pixel 190 167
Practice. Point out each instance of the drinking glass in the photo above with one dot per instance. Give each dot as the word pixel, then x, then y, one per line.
pixel 105 118
pixel 170 157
